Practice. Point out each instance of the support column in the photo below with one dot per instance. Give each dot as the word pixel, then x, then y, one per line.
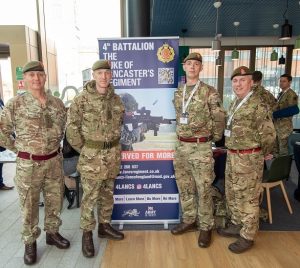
pixel 135 16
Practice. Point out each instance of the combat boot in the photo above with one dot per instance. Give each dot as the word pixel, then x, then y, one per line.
pixel 30 253
pixel 88 249
pixel 204 239
pixel 231 230
pixel 105 230
pixel 241 245
pixel 57 240
pixel 182 228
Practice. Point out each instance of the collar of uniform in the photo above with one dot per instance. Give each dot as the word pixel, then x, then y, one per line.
pixel 29 95
pixel 91 88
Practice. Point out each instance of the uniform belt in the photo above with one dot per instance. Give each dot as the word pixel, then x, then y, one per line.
pixel 35 157
pixel 101 144
pixel 246 151
pixel 201 139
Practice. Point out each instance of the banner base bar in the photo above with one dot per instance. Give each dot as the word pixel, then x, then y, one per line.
pixel 164 222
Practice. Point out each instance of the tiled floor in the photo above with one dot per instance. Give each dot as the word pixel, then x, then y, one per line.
pixel 12 248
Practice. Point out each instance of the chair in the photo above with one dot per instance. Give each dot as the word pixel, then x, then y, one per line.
pixel 69 166
pixel 76 177
pixel 297 161
pixel 272 177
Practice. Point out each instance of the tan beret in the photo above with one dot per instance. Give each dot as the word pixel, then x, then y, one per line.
pixel 33 66
pixel 241 71
pixel 193 56
pixel 101 64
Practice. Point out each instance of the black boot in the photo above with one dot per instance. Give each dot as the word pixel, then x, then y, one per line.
pixel 57 240
pixel 105 230
pixel 30 253
pixel 182 228
pixel 241 245
pixel 204 239
pixel 231 230
pixel 88 249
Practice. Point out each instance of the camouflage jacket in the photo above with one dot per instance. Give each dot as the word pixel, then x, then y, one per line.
pixel 94 117
pixel 289 98
pixel 38 130
pixel 266 96
pixel 251 126
pixel 206 115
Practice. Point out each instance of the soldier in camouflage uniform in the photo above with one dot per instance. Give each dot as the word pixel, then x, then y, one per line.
pixel 94 129
pixel 287 106
pixel 200 120
pixel 130 136
pixel 250 135
pixel 3 187
pixel 38 121
pixel 266 96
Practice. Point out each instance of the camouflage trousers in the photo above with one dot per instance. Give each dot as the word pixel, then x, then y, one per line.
pixel 283 130
pixel 194 173
pixel 243 179
pixel 100 193
pixel 33 177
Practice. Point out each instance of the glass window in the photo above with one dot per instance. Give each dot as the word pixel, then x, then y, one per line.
pixel 209 74
pixel 271 69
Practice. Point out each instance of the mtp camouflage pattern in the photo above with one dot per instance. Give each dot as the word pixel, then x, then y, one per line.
pixel 243 178
pixel 206 114
pixel 39 130
pixel 284 125
pixel 98 192
pixel 251 127
pixel 266 96
pixel 92 120
pixel 33 177
pixel 194 172
pixel 194 163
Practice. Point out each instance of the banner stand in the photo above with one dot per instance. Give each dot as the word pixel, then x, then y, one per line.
pixel 145 75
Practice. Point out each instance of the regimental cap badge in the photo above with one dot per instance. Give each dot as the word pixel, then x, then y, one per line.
pixel 33 66
pixel 241 71
pixel 193 56
pixel 101 64
pixel 165 53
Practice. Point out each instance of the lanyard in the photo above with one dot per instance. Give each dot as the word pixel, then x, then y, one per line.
pixel 185 105
pixel 238 107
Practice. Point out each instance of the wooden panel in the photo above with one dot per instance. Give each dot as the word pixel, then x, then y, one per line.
pixel 162 249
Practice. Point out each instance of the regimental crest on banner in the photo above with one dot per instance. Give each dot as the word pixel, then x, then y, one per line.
pixel 165 53
pixel 131 213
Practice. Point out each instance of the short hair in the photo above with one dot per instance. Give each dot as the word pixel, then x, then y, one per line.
pixel 257 76
pixel 288 76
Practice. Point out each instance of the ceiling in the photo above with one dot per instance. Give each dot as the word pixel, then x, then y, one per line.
pixel 197 18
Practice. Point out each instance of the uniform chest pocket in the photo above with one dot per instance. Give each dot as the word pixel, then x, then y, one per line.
pixel 92 118
pixel 31 120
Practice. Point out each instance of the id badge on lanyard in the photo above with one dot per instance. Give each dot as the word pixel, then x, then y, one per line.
pixel 184 118
pixel 227 132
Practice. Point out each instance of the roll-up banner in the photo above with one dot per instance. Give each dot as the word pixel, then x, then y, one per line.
pixel 145 75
